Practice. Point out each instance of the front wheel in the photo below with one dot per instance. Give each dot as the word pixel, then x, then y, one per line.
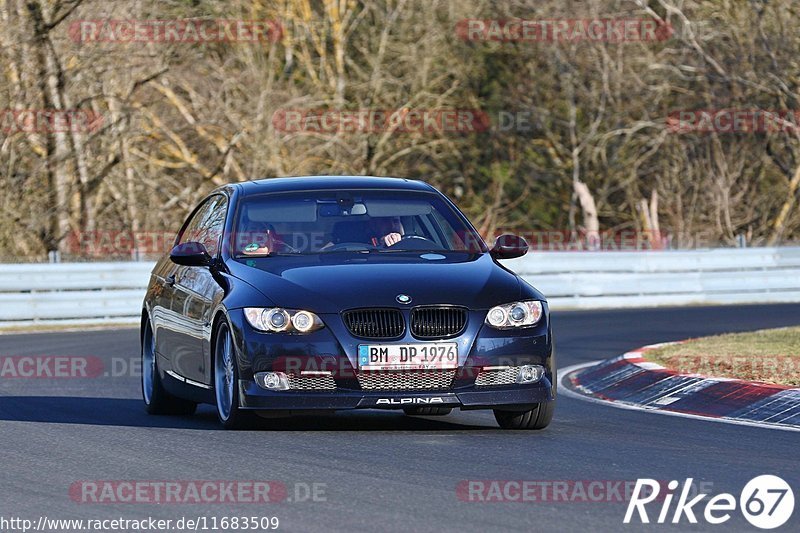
pixel 226 382
pixel 538 418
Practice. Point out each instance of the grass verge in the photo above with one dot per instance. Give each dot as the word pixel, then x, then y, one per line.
pixel 770 355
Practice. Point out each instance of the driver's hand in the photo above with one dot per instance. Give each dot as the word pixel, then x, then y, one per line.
pixel 392 238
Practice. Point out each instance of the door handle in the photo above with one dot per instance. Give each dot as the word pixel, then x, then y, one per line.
pixel 170 280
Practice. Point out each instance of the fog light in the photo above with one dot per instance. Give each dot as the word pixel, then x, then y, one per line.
pixel 530 373
pixel 272 380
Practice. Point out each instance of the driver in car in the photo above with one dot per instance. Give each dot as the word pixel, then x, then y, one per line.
pixel 386 231
pixel 380 232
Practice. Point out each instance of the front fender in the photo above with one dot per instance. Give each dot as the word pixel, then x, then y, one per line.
pixel 241 294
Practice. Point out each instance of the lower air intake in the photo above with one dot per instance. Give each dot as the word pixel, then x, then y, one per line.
pixel 417 380
pixel 310 382
pixel 488 378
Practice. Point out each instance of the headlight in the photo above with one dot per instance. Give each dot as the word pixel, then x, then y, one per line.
pixel 277 320
pixel 514 315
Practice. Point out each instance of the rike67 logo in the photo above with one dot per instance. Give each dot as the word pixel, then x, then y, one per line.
pixel 766 502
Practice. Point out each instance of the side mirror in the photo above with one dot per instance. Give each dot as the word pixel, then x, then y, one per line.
pixel 190 254
pixel 508 247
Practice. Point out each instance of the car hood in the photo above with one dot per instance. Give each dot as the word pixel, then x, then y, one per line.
pixel 329 283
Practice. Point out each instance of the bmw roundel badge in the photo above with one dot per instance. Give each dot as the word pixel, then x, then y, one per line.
pixel 403 298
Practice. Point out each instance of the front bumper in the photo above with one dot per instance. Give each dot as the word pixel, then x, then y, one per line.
pixel 518 397
pixel 333 348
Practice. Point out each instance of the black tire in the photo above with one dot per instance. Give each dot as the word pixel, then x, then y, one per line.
pixel 538 418
pixel 230 416
pixel 427 411
pixel 157 401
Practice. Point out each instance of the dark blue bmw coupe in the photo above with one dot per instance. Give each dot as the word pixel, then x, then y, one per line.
pixel 314 294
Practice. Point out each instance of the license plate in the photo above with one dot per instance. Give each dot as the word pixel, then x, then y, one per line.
pixel 419 356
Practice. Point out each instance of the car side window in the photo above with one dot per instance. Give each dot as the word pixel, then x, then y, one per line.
pixel 207 224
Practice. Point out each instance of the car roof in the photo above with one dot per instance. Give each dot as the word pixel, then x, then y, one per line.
pixel 310 183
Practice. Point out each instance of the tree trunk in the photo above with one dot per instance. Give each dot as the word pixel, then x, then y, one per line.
pixel 591 223
pixel 780 221
pixel 57 141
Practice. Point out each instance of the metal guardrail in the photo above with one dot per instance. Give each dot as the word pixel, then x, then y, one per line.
pixel 79 292
pixel 592 280
pixel 113 292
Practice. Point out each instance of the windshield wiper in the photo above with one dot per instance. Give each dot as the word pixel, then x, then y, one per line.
pixel 362 251
pixel 406 250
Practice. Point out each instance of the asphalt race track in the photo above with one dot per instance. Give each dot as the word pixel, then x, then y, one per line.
pixel 382 471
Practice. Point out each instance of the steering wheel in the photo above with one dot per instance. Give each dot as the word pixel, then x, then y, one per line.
pixel 348 246
pixel 284 247
pixel 415 242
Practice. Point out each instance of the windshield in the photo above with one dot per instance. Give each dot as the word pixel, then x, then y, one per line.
pixel 318 222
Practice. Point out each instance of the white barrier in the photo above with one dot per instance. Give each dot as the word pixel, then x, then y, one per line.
pixel 77 292
pixel 591 280
pixel 113 292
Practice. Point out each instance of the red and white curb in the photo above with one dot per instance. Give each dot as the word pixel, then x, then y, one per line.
pixel 631 382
